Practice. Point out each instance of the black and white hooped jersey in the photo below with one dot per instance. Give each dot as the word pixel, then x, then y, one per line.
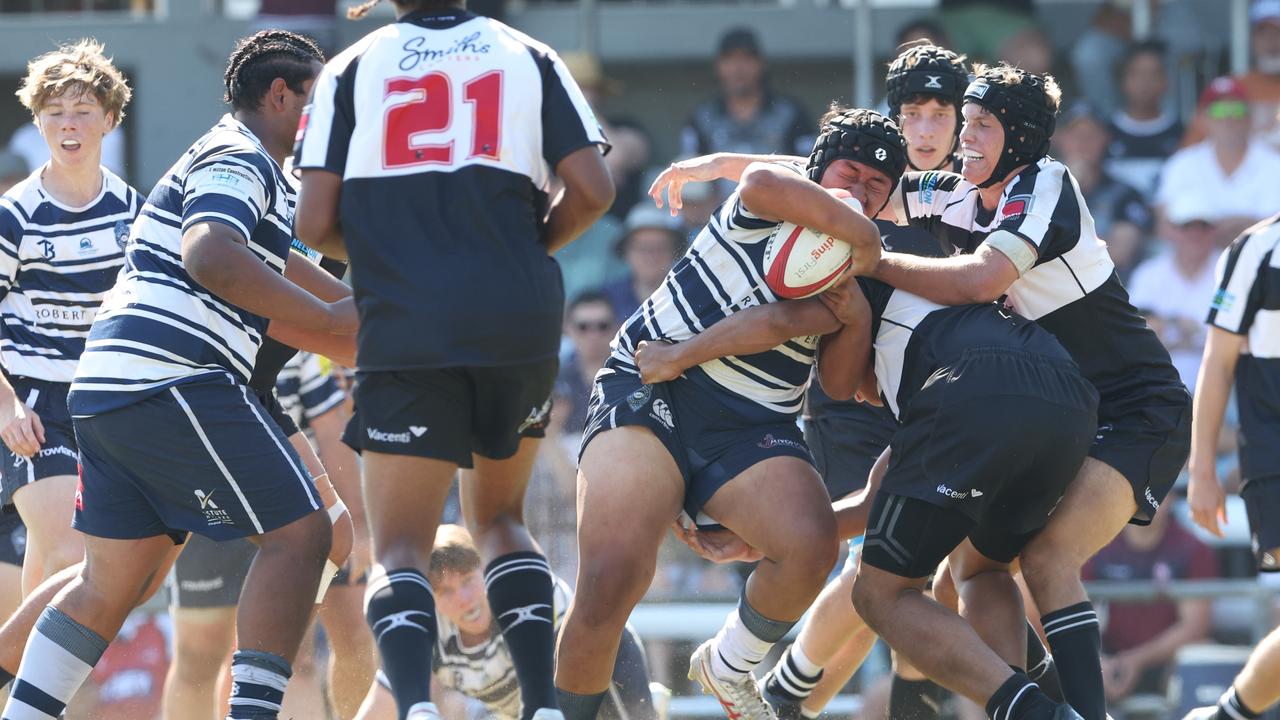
pixel 445 127
pixel 914 338
pixel 56 265
pixel 158 327
pixel 722 273
pixel 1247 302
pixel 306 388
pixel 1067 282
pixel 485 671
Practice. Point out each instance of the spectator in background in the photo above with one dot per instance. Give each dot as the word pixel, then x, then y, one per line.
pixel 747 116
pixel 980 28
pixel 1143 637
pixel 589 323
pixel 1235 174
pixel 1173 288
pixel 1120 216
pixel 652 242
pixel 924 28
pixel 13 170
pixel 629 143
pixel 1030 50
pixel 1144 133
pixel 1261 85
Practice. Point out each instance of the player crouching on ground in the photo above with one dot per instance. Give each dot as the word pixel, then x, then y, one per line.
pixel 723 439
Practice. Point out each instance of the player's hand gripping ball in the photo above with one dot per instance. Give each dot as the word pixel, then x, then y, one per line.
pixel 800 263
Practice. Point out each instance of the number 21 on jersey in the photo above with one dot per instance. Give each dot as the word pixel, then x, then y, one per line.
pixel 418 125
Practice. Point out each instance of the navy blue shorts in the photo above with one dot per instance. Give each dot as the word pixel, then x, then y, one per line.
pixel 13 539
pixel 58 454
pixel 201 457
pixel 710 444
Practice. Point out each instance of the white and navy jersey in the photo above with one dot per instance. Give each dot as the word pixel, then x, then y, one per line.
pixel 485 671
pixel 306 388
pixel 445 128
pixel 1068 283
pixel 158 327
pixel 1247 302
pixel 56 265
pixel 722 273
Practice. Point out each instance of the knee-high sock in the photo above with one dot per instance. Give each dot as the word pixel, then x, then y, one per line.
pixel 1075 639
pixel 58 658
pixel 521 594
pixel 401 612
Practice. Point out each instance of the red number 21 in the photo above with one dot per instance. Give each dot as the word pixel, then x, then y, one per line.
pixel 427 110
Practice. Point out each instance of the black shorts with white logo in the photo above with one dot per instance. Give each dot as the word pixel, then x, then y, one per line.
pixel 58 455
pixel 1262 503
pixel 451 413
pixel 992 446
pixel 710 444
pixel 13 538
pixel 1145 435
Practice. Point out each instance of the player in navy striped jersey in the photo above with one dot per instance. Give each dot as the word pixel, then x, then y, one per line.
pixel 61 236
pixel 427 158
pixel 722 441
pixel 171 438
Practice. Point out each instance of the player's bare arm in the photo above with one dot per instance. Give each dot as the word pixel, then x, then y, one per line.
pixel 706 168
pixel 1213 388
pixel 306 274
pixel 588 192
pixel 219 259
pixel 844 357
pixel 958 280
pixel 743 333
pixel 852 511
pixel 316 220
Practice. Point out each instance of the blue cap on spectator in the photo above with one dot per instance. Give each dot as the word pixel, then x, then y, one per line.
pixel 739 38
pixel 1265 11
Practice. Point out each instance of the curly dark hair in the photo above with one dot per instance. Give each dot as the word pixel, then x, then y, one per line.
pixel 261 58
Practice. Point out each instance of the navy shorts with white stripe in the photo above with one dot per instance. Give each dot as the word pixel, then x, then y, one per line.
pixel 201 456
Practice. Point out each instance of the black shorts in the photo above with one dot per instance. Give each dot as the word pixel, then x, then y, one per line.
pixel 846 444
pixel 986 451
pixel 210 574
pixel 710 444
pixel 451 413
pixel 1262 503
pixel 59 455
pixel 271 402
pixel 1145 435
pixel 13 538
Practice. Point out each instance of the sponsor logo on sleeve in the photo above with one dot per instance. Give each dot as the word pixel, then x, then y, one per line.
pixel 1223 301
pixel 928 182
pixel 1015 206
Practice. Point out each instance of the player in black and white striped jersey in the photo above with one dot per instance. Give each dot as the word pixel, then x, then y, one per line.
pixel 722 440
pixel 427 155
pixel 1243 348
pixel 1024 233
pixel 61 236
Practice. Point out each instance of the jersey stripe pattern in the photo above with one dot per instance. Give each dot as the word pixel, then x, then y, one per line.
pixel 1247 302
pixel 1071 289
pixel 307 389
pixel 158 327
pixel 445 128
pixel 56 265
pixel 722 273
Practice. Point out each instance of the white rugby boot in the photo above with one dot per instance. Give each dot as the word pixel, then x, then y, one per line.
pixel 424 711
pixel 548 714
pixel 739 698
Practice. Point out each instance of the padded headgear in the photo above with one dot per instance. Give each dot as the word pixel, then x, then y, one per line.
pixel 1023 109
pixel 927 69
pixel 862 135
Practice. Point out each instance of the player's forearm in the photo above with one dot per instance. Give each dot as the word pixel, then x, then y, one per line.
pixel 947 281
pixel 730 166
pixel 309 276
pixel 843 360
pixel 1209 406
pixel 756 330
pixel 851 515
pixel 588 193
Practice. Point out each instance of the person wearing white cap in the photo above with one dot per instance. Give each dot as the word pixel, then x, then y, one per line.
pixel 1173 288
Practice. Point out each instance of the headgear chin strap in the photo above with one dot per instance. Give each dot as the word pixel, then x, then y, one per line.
pixel 928 70
pixel 1024 111
pixel 862 135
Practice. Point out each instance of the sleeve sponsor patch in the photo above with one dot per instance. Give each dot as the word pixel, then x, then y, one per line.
pixel 1015 206
pixel 1223 301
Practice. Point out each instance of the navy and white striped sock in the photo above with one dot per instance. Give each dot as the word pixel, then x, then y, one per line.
pixel 258 682
pixel 58 658
pixel 401 612
pixel 1075 639
pixel 520 591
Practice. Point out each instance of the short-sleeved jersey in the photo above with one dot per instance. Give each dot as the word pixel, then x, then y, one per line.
pixel 722 273
pixel 1071 288
pixel 486 671
pixel 1247 302
pixel 56 265
pixel 445 128
pixel 1139 148
pixel 158 327
pixel 307 389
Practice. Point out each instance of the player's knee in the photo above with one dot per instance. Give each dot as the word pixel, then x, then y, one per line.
pixel 867 600
pixel 616 582
pixel 60 552
pixel 944 588
pixel 814 548
pixel 199 653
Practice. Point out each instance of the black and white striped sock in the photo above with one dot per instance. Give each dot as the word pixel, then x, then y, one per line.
pixel 795 676
pixel 258 682
pixel 1075 639
pixel 1230 707
pixel 400 610
pixel 519 587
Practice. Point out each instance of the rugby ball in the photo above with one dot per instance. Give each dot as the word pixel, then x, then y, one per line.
pixel 801 263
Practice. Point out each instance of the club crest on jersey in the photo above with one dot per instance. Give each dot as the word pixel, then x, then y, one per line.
pixel 1016 206
pixel 122 233
pixel 639 398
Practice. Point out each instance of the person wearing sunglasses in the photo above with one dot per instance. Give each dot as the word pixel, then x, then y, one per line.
pixel 1230 169
pixel 589 324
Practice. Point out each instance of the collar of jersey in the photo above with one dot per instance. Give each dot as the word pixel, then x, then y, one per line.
pixel 438 19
